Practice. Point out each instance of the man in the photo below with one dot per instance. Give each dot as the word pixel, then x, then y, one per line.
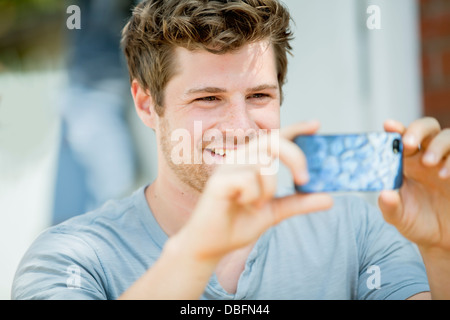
pixel 212 228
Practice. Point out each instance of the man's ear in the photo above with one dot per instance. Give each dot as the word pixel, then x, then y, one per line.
pixel 144 105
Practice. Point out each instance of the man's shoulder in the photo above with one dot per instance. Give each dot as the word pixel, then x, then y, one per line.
pixel 85 243
pixel 111 213
pixel 88 231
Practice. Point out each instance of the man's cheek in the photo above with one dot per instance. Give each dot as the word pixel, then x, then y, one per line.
pixel 181 149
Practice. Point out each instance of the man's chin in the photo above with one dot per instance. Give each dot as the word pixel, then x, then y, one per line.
pixel 195 176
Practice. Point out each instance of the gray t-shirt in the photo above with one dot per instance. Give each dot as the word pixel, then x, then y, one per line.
pixel 348 252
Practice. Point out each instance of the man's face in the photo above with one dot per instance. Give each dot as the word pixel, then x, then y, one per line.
pixel 217 102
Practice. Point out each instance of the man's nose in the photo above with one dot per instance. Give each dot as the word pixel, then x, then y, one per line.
pixel 237 116
pixel 238 123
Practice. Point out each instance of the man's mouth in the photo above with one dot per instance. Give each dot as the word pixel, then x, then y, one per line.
pixel 218 151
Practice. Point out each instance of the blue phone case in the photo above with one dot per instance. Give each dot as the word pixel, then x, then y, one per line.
pixel 352 162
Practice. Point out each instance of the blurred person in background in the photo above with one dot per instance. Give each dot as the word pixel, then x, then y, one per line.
pixel 97 157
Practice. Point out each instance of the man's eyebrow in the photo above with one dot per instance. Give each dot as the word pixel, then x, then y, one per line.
pixel 221 90
pixel 263 87
pixel 205 90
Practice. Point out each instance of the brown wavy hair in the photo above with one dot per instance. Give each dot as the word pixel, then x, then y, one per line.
pixel 156 27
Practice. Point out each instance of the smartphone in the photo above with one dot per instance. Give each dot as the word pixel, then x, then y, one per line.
pixel 352 162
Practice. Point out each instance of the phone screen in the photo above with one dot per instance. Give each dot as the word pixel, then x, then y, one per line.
pixel 352 162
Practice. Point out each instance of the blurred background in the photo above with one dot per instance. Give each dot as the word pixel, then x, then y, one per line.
pixel 69 135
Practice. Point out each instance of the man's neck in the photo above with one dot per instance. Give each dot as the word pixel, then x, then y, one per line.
pixel 170 203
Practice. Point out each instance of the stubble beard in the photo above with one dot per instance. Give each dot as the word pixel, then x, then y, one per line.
pixel 194 175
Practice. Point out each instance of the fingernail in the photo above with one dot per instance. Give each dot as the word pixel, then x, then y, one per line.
pixel 444 173
pixel 430 158
pixel 410 141
pixel 303 176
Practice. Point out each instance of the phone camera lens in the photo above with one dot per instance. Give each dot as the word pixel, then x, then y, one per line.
pixel 396 146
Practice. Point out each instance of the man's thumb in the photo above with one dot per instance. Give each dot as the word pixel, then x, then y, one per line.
pixel 391 206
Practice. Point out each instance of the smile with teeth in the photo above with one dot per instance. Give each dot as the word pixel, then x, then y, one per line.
pixel 218 151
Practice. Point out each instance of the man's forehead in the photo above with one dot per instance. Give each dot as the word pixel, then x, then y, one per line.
pixel 251 49
pixel 251 61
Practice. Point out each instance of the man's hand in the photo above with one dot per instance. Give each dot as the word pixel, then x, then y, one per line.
pixel 235 208
pixel 421 209
pixel 238 202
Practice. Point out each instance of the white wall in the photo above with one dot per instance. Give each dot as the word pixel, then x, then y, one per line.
pixel 29 129
pixel 349 77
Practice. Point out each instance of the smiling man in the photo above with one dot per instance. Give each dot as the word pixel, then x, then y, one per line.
pixel 219 229
pixel 234 92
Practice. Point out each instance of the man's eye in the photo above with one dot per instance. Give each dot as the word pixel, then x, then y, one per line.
pixel 259 96
pixel 207 99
